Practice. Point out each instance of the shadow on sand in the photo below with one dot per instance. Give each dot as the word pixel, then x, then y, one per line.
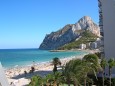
pixel 29 75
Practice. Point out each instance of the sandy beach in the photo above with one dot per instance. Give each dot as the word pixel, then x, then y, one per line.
pixel 17 75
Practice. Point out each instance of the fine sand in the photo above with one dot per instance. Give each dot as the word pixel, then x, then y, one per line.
pixel 17 77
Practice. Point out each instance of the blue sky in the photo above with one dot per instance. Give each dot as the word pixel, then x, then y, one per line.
pixel 24 23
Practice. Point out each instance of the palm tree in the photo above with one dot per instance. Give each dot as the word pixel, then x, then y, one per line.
pixel 36 80
pixel 111 64
pixel 78 70
pixel 56 61
pixel 91 58
pixel 48 79
pixel 103 65
pixel 66 72
pixel 72 72
pixel 90 65
pixel 57 78
pixel 53 79
pixel 76 73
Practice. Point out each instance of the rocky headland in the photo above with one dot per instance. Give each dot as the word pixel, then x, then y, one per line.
pixel 69 33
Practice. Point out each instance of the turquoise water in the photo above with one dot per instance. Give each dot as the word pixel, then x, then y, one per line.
pixel 12 57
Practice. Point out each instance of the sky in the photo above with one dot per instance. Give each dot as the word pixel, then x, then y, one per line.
pixel 24 23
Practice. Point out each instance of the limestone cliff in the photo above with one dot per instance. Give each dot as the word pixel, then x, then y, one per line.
pixel 69 33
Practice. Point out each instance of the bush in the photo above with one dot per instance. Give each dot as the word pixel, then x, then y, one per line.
pixel 35 81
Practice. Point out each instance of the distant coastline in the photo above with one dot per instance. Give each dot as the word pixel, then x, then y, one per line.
pixel 57 50
pixel 85 50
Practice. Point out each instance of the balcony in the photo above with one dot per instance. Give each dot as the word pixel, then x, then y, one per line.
pixel 100 15
pixel 101 33
pixel 100 24
pixel 102 55
pixel 99 4
pixel 102 43
pixel 101 49
pixel 99 1
pixel 101 30
pixel 102 38
pixel 100 10
pixel 101 21
pixel 102 52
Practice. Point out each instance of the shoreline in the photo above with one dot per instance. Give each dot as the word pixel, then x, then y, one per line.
pixel 42 62
pixel 17 76
pixel 74 50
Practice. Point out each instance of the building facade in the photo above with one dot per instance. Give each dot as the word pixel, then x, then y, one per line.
pixel 82 46
pixel 107 28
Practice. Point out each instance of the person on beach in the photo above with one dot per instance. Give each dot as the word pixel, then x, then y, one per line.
pixel 12 84
pixel 25 72
pixel 32 69
pixel 33 63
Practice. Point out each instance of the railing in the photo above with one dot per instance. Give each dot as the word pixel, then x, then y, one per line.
pixel 3 79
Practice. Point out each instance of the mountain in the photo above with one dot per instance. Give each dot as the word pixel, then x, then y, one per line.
pixel 69 33
pixel 85 37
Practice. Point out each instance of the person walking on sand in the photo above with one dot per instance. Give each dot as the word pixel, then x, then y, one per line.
pixel 33 63
pixel 12 84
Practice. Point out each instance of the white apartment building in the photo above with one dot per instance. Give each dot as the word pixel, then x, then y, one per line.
pixel 107 27
pixel 82 46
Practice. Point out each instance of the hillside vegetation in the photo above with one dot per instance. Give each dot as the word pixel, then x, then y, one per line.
pixel 86 37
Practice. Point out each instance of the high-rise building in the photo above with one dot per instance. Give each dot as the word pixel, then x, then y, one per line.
pixel 107 27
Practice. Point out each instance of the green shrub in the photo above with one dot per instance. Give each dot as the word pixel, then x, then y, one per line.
pixel 36 81
pixel 86 37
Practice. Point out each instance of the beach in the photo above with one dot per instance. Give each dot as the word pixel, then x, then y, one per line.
pixel 18 77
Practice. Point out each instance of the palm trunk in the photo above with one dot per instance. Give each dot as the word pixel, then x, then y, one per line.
pixel 55 83
pixel 68 81
pixel 85 80
pixel 55 68
pixel 47 84
pixel 110 75
pixel 75 83
pixel 58 84
pixel 103 77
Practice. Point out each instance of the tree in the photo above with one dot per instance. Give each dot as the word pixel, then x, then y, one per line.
pixel 103 65
pixel 78 70
pixel 36 80
pixel 53 79
pixel 111 64
pixel 66 72
pixel 91 65
pixel 48 80
pixel 56 61
pixel 72 72
pixel 57 78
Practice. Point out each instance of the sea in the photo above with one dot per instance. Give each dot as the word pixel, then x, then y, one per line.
pixel 10 58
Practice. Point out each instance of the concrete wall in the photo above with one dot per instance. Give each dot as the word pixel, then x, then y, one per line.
pixel 3 79
pixel 108 9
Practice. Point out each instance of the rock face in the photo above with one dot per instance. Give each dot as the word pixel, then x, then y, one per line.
pixel 87 23
pixel 69 33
